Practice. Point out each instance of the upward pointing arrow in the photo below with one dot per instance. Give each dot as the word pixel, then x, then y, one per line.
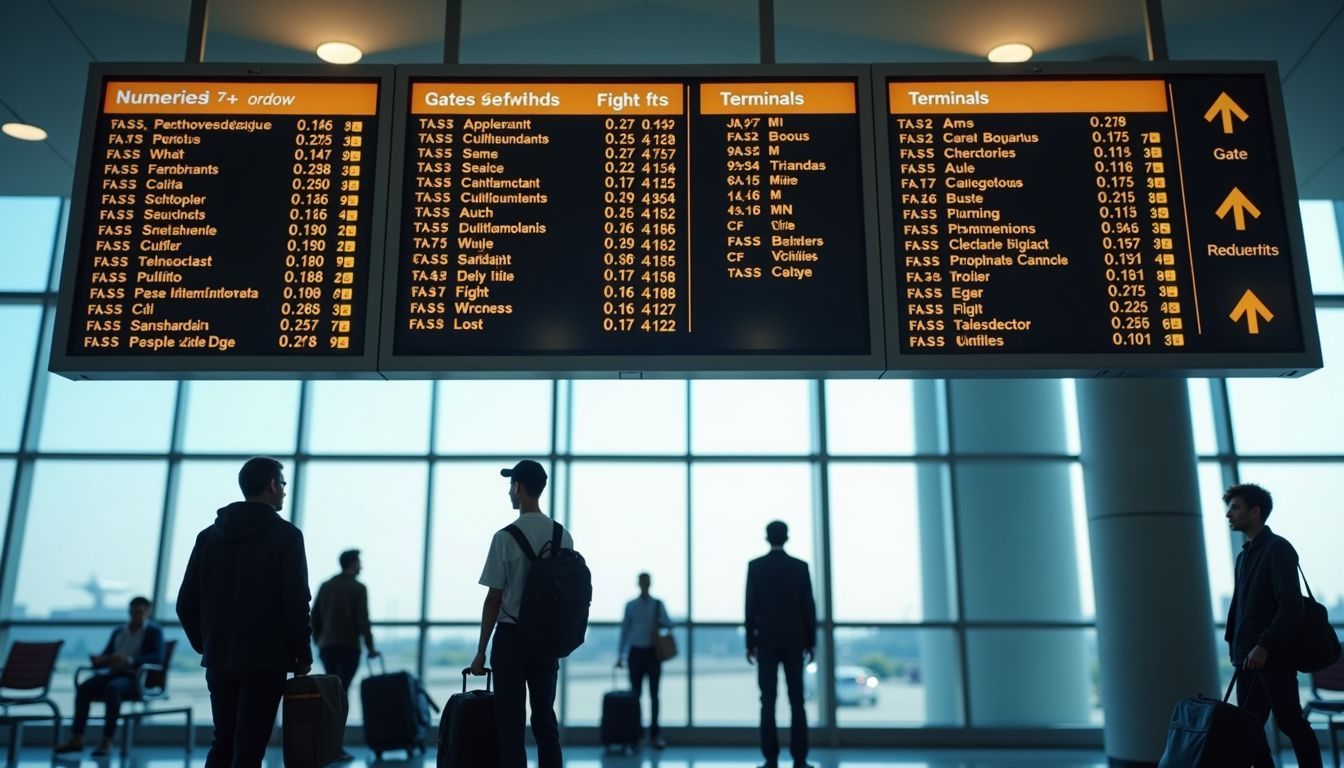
pixel 1225 106
pixel 1253 308
pixel 1239 205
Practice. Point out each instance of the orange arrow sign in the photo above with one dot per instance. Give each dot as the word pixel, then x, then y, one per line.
pixel 1237 203
pixel 1225 106
pixel 1253 308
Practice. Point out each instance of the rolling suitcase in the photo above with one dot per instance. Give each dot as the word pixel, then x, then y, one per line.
pixel 396 711
pixel 621 718
pixel 314 726
pixel 1207 733
pixel 467 731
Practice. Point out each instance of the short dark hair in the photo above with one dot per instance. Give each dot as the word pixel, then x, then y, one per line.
pixel 140 600
pixel 349 557
pixel 777 532
pixel 257 474
pixel 1251 495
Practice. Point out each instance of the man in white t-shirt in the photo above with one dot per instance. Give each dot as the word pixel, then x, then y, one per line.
pixel 517 675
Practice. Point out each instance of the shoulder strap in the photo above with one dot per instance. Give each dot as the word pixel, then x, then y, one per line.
pixel 523 544
pixel 1304 581
pixel 557 537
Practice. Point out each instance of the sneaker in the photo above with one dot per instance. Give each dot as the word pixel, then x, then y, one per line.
pixel 658 743
pixel 103 749
pixel 73 745
pixel 344 757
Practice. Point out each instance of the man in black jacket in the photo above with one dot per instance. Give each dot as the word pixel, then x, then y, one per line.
pixel 1265 612
pixel 781 630
pixel 244 607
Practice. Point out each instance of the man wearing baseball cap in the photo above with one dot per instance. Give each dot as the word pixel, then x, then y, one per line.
pixel 516 674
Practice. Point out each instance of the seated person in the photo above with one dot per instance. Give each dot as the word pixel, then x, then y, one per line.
pixel 139 642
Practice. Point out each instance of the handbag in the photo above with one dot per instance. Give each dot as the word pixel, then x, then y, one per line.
pixel 1314 644
pixel 664 644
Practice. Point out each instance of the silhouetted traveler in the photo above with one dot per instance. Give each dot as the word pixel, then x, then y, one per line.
pixel 1266 609
pixel 518 674
pixel 244 607
pixel 138 643
pixel 644 617
pixel 341 620
pixel 781 631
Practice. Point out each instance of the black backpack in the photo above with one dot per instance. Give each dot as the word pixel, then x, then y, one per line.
pixel 553 616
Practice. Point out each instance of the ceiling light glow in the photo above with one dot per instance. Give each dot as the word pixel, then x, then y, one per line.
pixel 339 53
pixel 24 131
pixel 1011 53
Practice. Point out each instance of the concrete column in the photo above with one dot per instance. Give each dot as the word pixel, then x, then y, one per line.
pixel 939 659
pixel 1150 576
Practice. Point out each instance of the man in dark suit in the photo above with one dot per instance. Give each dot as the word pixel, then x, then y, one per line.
pixel 244 607
pixel 781 630
pixel 130 647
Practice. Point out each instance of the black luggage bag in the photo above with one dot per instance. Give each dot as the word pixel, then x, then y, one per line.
pixel 396 711
pixel 621 718
pixel 314 725
pixel 1206 733
pixel 467 735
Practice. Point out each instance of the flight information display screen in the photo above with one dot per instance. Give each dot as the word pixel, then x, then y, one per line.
pixel 1101 217
pixel 228 222
pixel 648 215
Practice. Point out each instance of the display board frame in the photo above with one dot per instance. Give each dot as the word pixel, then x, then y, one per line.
pixel 1107 364
pixel 278 366
pixel 763 365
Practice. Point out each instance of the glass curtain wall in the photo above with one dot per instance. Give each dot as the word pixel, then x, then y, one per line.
pixel 106 484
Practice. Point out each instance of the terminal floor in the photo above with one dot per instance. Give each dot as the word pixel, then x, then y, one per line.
pixel 674 757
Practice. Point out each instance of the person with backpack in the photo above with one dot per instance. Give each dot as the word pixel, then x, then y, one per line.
pixel 537 611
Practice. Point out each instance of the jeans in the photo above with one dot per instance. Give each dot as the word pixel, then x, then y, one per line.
pixel 768 662
pixel 244 706
pixel 1279 694
pixel 644 663
pixel 516 677
pixel 341 661
pixel 112 688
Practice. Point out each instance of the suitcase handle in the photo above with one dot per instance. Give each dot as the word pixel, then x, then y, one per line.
pixel 467 671
pixel 382 663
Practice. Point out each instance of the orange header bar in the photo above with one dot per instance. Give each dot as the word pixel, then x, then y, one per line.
pixel 1050 96
pixel 240 98
pixel 777 99
pixel 546 99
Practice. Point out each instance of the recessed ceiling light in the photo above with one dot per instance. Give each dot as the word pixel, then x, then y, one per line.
pixel 24 131
pixel 1010 53
pixel 339 53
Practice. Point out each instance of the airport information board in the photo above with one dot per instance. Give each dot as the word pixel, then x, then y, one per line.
pixel 797 221
pixel 636 222
pixel 1113 222
pixel 226 221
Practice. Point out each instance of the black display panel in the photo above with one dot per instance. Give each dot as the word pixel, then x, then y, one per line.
pixel 1091 222
pixel 226 222
pixel 647 220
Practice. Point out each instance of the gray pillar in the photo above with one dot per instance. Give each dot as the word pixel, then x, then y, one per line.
pixel 939 659
pixel 1154 620
pixel 1016 551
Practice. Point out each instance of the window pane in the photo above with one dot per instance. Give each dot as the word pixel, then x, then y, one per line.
pixel 29 227
pixel 1321 229
pixel 369 417
pixel 109 416
pixel 1069 695
pixel 378 508
pixel 203 487
pixel 1202 416
pixel 876 568
pixel 250 417
pixel 885 677
pixel 730 506
pixel 6 488
pixel 754 417
pixel 92 533
pixel 1082 543
pixel 608 532
pixel 1294 416
pixel 1220 543
pixel 18 344
pixel 614 417
pixel 870 417
pixel 1306 512
pixel 494 417
pixel 447 652
pixel 726 691
pixel 471 502
pixel 591 671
